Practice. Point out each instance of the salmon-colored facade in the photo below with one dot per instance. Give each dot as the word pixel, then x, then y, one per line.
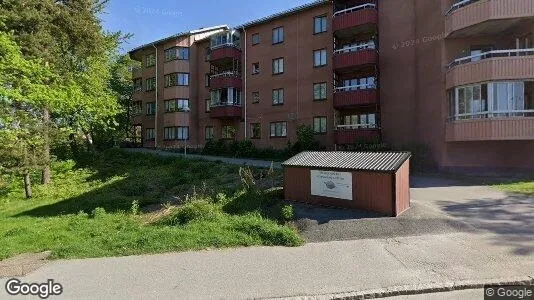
pixel 453 77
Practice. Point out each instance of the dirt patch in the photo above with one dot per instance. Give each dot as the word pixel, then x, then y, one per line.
pixel 23 264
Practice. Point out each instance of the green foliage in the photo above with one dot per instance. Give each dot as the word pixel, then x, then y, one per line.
pixel 287 213
pixel 523 187
pixel 305 140
pixel 94 207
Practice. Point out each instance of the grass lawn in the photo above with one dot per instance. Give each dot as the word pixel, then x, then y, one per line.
pixel 524 187
pixel 120 203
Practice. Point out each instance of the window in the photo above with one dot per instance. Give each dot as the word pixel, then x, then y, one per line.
pixel 319 24
pixel 208 105
pixel 228 132
pixel 255 131
pixel 279 129
pixel 150 134
pixel 207 80
pixel 255 97
pixel 180 133
pixel 319 91
pixel 278 97
pixel 319 58
pixel 319 125
pixel 150 84
pixel 138 84
pixel 209 133
pixel 137 108
pixel 495 99
pixel 255 39
pixel 255 68
pixel 359 84
pixel 278 65
pixel 278 35
pixel 173 53
pixel 150 60
pixel 207 55
pixel 151 108
pixel 176 79
pixel 177 105
pixel 359 121
pixel 228 96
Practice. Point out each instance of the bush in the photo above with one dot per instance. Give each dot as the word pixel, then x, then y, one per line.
pixel 287 213
pixel 196 210
pixel 268 231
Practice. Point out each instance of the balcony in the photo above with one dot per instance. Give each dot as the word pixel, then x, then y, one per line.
pixel 225 111
pixel 225 80
pixel 346 60
pixel 486 17
pixel 517 64
pixel 346 135
pixel 354 96
pixel 355 20
pixel 490 129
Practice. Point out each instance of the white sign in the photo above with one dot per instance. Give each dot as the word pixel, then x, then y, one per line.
pixel 331 184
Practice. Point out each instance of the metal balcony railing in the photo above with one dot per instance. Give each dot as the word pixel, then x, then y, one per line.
pixel 368 46
pixel 459 5
pixel 355 87
pixel 355 8
pixel 491 54
pixel 493 114
pixel 357 126
pixel 235 45
pixel 225 74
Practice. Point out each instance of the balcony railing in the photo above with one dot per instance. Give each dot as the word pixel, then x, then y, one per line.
pixel 225 74
pixel 491 54
pixel 355 87
pixel 370 45
pixel 459 5
pixel 355 8
pixel 234 45
pixel 493 114
pixel 225 110
pixel 350 134
pixel 490 129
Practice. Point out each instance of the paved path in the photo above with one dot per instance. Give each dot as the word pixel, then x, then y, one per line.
pixel 498 246
pixel 229 160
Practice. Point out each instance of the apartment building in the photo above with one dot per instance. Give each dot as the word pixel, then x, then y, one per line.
pixel 455 77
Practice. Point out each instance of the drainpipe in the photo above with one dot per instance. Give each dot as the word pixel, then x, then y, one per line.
pixel 245 79
pixel 156 115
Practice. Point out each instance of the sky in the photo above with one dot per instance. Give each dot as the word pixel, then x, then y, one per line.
pixel 151 20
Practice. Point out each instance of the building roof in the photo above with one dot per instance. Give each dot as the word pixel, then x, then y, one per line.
pixel 284 13
pixel 361 161
pixel 181 34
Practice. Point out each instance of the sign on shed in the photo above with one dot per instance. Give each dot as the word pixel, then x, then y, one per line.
pixel 373 181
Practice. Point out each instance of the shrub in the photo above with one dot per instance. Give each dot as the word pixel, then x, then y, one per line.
pixel 305 140
pixel 287 213
pixel 267 231
pixel 196 210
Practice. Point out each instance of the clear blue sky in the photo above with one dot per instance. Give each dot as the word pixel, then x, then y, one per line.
pixel 150 20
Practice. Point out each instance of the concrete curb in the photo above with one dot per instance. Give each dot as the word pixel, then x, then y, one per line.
pixel 417 289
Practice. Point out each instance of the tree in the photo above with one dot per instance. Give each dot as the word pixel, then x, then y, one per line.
pixel 25 86
pixel 68 37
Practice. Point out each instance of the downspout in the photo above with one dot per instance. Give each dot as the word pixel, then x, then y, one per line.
pixel 156 115
pixel 245 79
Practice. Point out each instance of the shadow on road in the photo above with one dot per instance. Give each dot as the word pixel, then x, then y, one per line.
pixel 511 218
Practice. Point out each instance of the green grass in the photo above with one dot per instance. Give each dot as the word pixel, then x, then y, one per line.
pixel 524 187
pixel 111 205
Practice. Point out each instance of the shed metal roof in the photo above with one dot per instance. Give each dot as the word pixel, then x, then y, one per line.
pixel 361 161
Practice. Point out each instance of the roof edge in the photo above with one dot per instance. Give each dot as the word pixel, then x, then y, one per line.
pixel 181 34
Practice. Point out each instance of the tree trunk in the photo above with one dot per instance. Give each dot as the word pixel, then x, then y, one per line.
pixel 27 185
pixel 45 178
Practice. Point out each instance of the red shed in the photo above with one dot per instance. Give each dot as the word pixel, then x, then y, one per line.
pixel 372 181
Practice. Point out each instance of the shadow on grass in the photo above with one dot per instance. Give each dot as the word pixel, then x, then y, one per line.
pixel 121 178
pixel 510 218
